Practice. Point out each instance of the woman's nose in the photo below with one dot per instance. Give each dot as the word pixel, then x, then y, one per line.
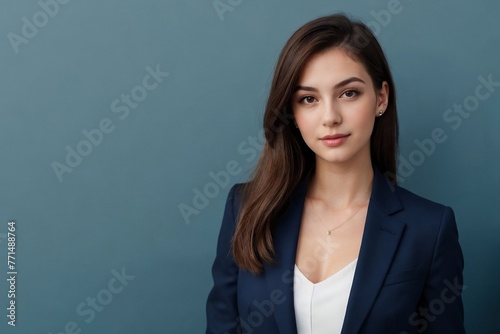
pixel 331 115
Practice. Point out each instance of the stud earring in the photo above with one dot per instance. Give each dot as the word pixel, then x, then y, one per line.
pixel 380 113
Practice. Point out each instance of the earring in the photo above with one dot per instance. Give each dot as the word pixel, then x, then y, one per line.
pixel 380 113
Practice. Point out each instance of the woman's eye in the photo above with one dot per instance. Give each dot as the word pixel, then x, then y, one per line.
pixel 351 93
pixel 307 99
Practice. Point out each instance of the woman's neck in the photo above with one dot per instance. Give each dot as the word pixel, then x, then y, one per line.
pixel 341 186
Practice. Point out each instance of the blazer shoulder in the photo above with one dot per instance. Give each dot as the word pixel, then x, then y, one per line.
pixel 420 206
pixel 235 192
pixel 237 188
pixel 233 200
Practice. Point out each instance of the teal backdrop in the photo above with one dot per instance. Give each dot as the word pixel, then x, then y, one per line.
pixel 124 123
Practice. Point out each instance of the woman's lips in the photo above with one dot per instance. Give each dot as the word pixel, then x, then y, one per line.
pixel 334 140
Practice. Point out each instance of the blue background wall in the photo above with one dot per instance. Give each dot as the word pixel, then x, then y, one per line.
pixel 108 230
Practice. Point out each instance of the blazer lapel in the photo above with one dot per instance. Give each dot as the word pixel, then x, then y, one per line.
pixel 279 276
pixel 379 243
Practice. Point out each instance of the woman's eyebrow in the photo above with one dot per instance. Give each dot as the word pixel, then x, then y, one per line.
pixel 339 85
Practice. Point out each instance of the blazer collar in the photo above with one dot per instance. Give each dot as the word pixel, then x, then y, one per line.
pixel 379 242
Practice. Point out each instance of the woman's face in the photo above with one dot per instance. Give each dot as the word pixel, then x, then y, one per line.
pixel 335 105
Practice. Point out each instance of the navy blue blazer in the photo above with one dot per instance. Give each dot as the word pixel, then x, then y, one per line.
pixel 408 277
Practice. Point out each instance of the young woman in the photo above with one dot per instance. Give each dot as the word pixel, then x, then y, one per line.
pixel 322 240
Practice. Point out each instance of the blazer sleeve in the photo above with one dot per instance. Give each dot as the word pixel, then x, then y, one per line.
pixel 442 310
pixel 221 308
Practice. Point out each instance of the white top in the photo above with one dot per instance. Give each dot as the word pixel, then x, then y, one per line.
pixel 320 308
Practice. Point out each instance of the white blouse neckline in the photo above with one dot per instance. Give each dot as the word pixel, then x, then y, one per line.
pixel 320 307
pixel 331 277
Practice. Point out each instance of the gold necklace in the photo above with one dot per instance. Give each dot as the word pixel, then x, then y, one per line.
pixel 329 231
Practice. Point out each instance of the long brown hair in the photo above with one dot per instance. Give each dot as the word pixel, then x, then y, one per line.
pixel 286 159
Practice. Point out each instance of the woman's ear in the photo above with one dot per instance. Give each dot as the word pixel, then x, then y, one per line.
pixel 382 98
